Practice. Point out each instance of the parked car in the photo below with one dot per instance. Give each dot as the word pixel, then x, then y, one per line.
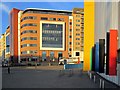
pixel 61 61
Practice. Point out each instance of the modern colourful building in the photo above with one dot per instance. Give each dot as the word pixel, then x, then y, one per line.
pixel 101 19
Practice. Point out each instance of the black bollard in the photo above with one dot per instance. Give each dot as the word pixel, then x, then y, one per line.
pixel 8 70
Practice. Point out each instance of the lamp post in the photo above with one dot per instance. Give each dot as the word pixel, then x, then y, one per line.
pixel 8 60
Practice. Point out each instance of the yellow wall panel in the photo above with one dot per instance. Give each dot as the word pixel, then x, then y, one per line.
pixel 88 32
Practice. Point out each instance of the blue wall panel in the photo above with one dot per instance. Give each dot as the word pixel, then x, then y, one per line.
pixel 97 57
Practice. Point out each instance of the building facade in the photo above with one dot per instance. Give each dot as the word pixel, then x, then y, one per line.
pixel 78 32
pixel 14 35
pixel 3 46
pixel 7 51
pixel 45 35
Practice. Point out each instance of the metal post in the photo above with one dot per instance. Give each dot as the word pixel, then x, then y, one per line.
pixel 90 75
pixel 100 83
pixel 103 84
pixel 94 78
pixel 8 67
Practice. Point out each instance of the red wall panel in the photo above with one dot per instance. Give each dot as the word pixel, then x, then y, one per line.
pixel 113 52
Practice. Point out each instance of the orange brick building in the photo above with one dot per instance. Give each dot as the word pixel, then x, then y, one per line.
pixel 42 34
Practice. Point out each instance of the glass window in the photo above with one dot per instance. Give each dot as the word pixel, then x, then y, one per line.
pixel 60 55
pixel 77 15
pixel 77 20
pixel 70 55
pixel 77 24
pixel 28 17
pixel 60 19
pixel 70 49
pixel 77 48
pixel 29 24
pixel 70 23
pixel 77 54
pixel 82 49
pixel 29 38
pixel 24 52
pixel 52 56
pixel 48 12
pixel 77 29
pixel 43 56
pixel 70 30
pixel 7 43
pixel 77 43
pixel 29 31
pixel 33 52
pixel 70 36
pixel 44 18
pixel 77 34
pixel 77 38
pixel 52 35
pixel 53 19
pixel 70 43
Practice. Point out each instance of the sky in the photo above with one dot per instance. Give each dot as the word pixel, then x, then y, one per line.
pixel 5 8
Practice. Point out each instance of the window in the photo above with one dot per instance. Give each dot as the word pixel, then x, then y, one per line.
pixel 82 49
pixel 52 35
pixel 24 45
pixel 24 52
pixel 77 29
pixel 77 20
pixel 70 55
pixel 28 45
pixel 33 52
pixel 28 17
pixel 77 24
pixel 70 43
pixel 77 38
pixel 47 12
pixel 77 53
pixel 44 18
pixel 77 34
pixel 53 19
pixel 52 56
pixel 70 23
pixel 29 24
pixel 43 56
pixel 82 25
pixel 70 49
pixel 29 31
pixel 29 38
pixel 60 19
pixel 70 30
pixel 77 15
pixel 77 43
pixel 70 36
pixel 77 48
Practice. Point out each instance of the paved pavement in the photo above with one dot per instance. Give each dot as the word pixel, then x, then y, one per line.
pixel 42 78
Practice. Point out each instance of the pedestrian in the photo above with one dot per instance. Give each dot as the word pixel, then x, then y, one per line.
pixel 8 70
